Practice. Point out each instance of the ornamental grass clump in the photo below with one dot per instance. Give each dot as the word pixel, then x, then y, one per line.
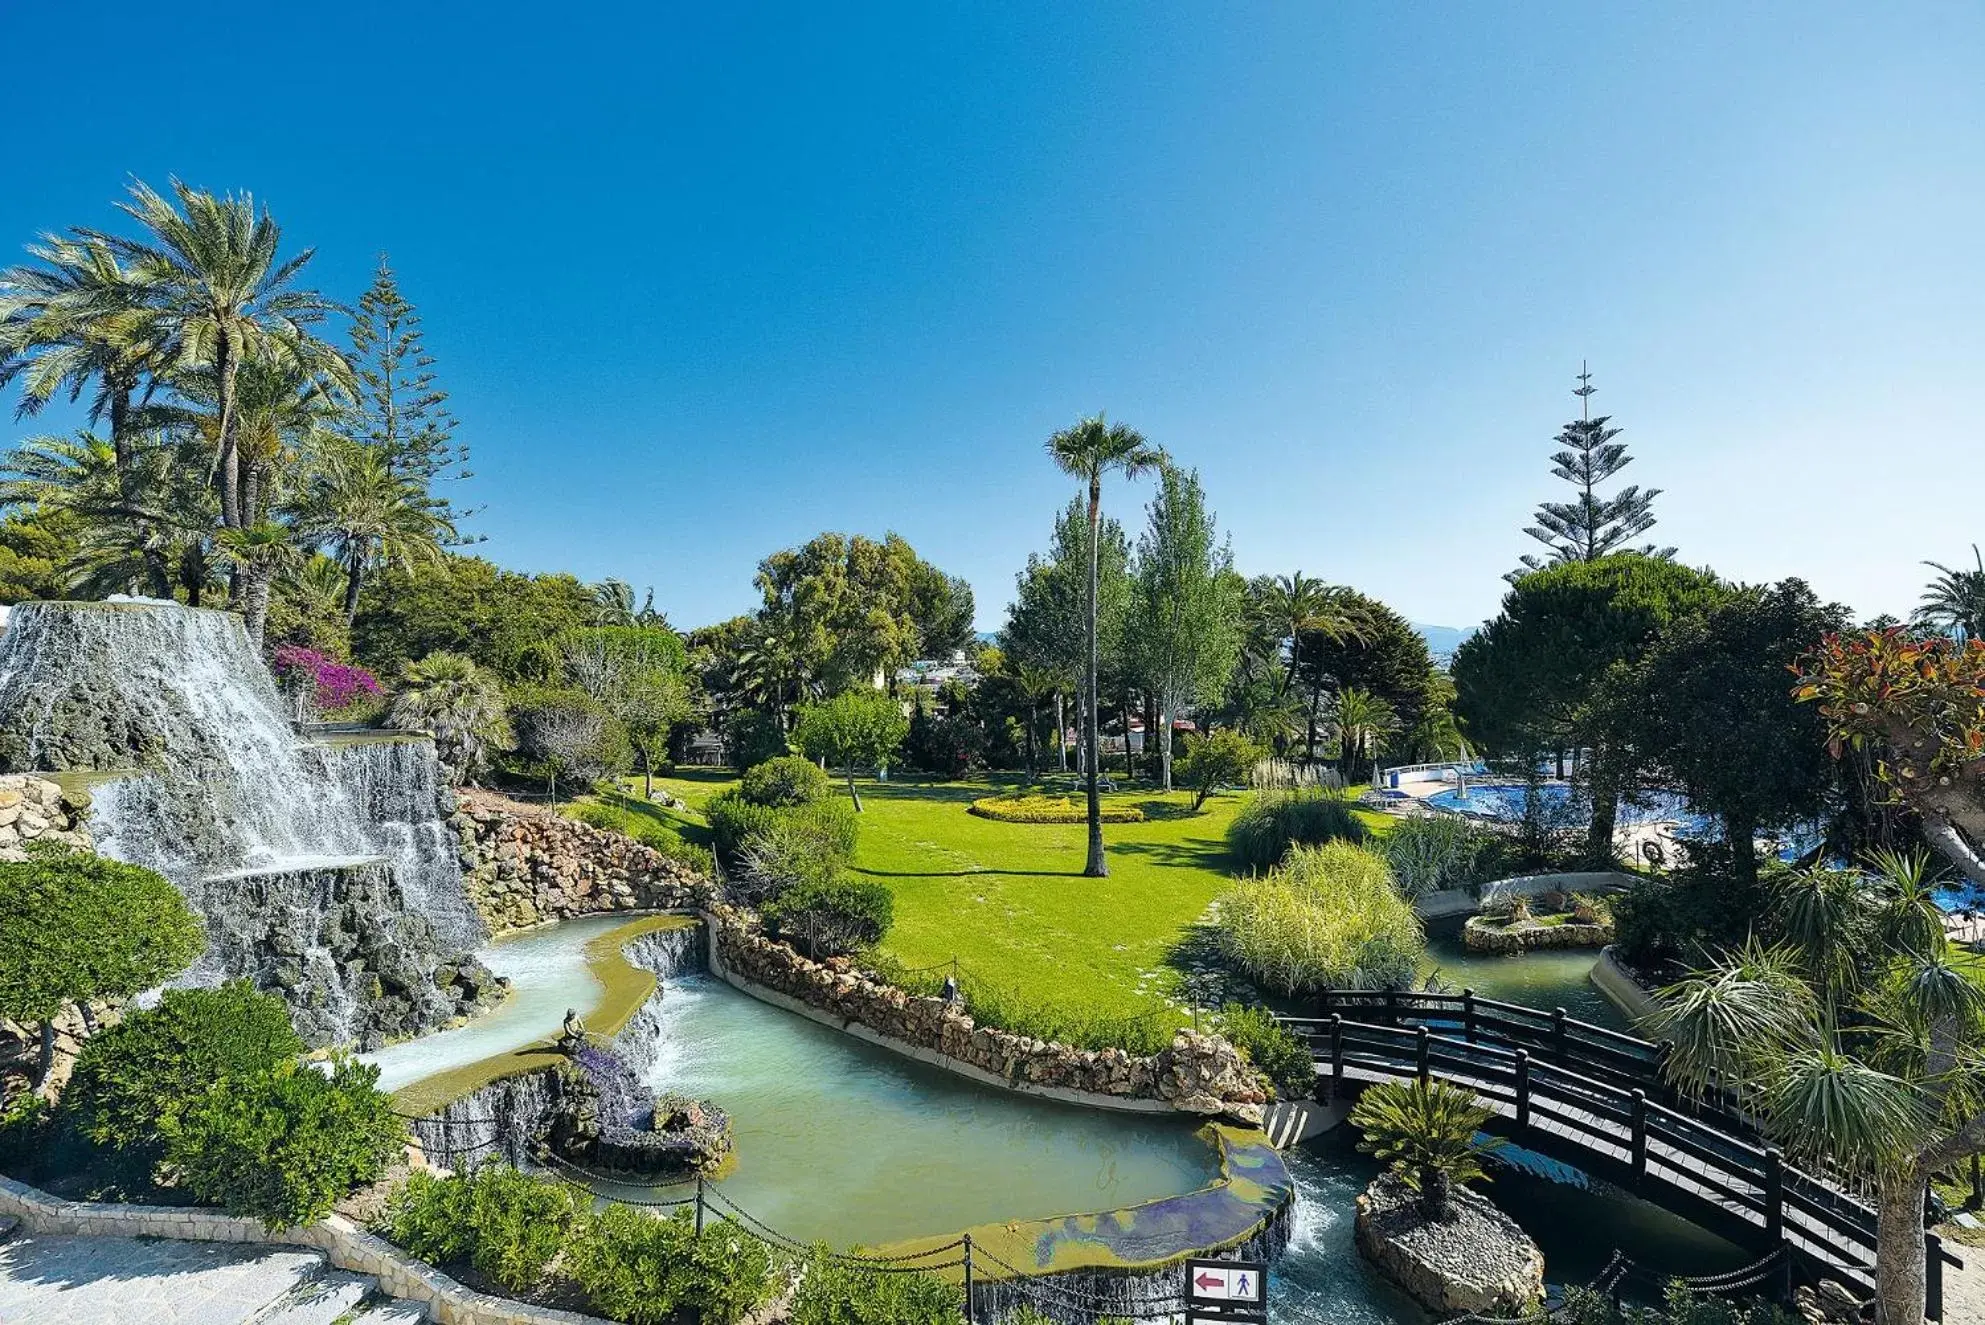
pixel 1330 917
pixel 1440 851
pixel 1274 821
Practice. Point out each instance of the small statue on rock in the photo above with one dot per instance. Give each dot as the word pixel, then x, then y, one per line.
pixel 572 1036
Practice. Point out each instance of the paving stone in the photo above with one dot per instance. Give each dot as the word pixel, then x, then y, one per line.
pixel 55 1280
pixel 323 1301
pixel 394 1312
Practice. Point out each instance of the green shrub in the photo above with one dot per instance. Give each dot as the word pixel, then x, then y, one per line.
pixel 1025 808
pixel 285 1144
pixel 1583 1306
pixel 76 926
pixel 644 1270
pixel 600 815
pixel 789 852
pixel 510 1226
pixel 133 1078
pixel 1429 853
pixel 1277 1052
pixel 735 821
pixel 1329 917
pixel 785 781
pixel 832 917
pixel 835 1293
pixel 1273 821
pixel 751 737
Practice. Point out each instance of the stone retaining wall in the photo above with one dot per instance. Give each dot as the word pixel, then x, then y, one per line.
pixel 1620 988
pixel 1481 934
pixel 1197 1074
pixel 524 866
pixel 35 809
pixel 348 1246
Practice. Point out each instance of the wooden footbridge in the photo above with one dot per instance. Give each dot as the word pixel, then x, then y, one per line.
pixel 1595 1098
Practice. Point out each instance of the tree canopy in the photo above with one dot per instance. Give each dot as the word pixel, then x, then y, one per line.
pixel 854 729
pixel 75 926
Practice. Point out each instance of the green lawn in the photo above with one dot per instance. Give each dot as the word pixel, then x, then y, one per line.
pixel 1009 901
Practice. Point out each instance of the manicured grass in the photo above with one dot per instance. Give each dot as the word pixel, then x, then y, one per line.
pixel 1009 901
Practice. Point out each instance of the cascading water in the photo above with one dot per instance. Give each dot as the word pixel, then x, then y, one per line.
pixel 326 870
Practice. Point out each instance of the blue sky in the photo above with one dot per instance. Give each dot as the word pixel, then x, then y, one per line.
pixel 707 279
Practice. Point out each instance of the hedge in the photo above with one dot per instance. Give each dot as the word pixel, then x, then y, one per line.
pixel 1050 810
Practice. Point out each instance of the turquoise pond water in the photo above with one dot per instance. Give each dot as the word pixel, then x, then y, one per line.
pixel 840 1141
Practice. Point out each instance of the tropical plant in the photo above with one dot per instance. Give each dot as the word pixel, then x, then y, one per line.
pixel 447 695
pixel 1432 852
pixel 1328 917
pixel 857 728
pixel 286 1143
pixel 1366 724
pixel 1855 1042
pixel 1954 602
pixel 368 515
pixel 1273 821
pixel 1429 1134
pixel 1089 451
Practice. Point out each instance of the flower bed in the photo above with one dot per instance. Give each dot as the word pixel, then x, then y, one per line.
pixel 1026 809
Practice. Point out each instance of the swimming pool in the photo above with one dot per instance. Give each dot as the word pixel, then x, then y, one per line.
pixel 1504 801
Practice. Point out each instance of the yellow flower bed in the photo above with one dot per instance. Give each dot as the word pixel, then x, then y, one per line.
pixel 1026 809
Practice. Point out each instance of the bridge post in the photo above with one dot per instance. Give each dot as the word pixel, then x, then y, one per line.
pixel 1392 1007
pixel 1336 1056
pixel 1639 1138
pixel 1558 1034
pixel 1420 1042
pixel 1774 1196
pixel 1933 1276
pixel 1468 1014
pixel 1522 1090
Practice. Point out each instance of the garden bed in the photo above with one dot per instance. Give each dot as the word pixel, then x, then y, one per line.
pixel 1555 922
pixel 1050 810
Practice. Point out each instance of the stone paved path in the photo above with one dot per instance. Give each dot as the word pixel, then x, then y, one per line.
pixel 47 1280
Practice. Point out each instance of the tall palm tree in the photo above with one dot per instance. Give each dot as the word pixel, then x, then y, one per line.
pixel 1088 451
pixel 368 515
pixel 613 603
pixel 1954 602
pixel 1859 1044
pixel 1365 724
pixel 223 293
pixel 134 519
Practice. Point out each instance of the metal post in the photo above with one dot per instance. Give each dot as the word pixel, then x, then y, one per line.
pixel 1558 1033
pixel 968 1278
pixel 1977 1201
pixel 1639 1138
pixel 1336 1055
pixel 1522 1089
pixel 1468 1014
pixel 1933 1276
pixel 1420 1043
pixel 699 1205
pixel 1774 1196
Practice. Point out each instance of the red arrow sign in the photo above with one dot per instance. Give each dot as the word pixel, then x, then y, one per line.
pixel 1210 1280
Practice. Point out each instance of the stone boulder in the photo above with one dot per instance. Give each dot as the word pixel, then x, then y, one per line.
pixel 1480 1261
pixel 35 809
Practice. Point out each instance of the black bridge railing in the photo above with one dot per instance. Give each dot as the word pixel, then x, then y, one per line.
pixel 1595 1098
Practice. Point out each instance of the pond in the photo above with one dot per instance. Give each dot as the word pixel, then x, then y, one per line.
pixel 1547 979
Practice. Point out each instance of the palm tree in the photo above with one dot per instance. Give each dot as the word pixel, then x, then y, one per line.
pixel 1297 607
pixel 223 295
pixel 134 518
pixel 613 603
pixel 1857 1044
pixel 1955 601
pixel 1088 451
pixel 369 515
pixel 317 587
pixel 1430 1134
pixel 258 554
pixel 460 704
pixel 1365 723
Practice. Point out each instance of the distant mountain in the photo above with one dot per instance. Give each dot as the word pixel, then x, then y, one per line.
pixel 1442 641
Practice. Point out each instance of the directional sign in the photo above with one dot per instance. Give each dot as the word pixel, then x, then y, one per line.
pixel 1241 1284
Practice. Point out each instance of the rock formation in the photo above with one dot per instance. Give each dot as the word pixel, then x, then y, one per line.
pixel 1479 1262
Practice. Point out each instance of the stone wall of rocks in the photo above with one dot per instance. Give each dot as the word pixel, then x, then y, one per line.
pixel 35 809
pixel 1482 934
pixel 523 866
pixel 1198 1074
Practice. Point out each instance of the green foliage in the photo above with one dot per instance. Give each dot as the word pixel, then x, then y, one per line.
pixel 502 619
pixel 1222 757
pixel 786 780
pixel 76 926
pixel 735 823
pixel 509 1225
pixel 644 1270
pixel 1704 906
pixel 1277 1052
pixel 461 703
pixel 1329 917
pixel 751 737
pixel 1274 821
pixel 1383 656
pixel 832 917
pixel 855 729
pixel 945 745
pixel 286 1143
pixel 790 850
pixel 35 549
pixel 1429 853
pixel 1679 1307
pixel 565 735
pixel 1427 1133
pixel 832 1292
pixel 133 1079
pixel 1021 807
pixel 848 607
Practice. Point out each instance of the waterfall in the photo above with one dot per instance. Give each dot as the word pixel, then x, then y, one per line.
pixel 326 869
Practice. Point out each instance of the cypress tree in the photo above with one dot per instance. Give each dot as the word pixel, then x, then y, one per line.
pixel 1590 526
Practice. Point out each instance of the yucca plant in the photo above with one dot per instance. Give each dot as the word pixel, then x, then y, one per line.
pixel 1430 1135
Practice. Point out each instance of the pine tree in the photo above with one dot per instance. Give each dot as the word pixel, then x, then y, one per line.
pixel 401 410
pixel 1591 526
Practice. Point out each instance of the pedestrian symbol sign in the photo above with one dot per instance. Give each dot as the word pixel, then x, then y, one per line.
pixel 1239 1286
